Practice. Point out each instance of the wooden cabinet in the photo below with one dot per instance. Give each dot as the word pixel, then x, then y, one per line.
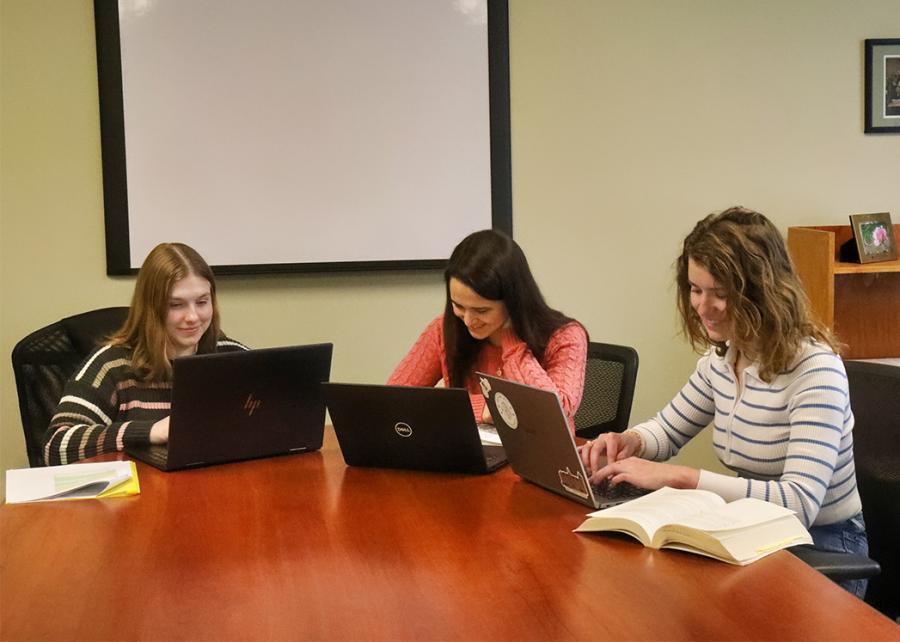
pixel 860 302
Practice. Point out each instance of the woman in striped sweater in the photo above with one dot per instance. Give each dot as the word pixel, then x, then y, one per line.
pixel 770 383
pixel 496 320
pixel 122 392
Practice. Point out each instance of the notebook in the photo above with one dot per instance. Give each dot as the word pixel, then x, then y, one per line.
pixel 410 428
pixel 231 406
pixel 540 448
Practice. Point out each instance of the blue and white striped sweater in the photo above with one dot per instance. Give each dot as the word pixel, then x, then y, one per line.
pixel 790 441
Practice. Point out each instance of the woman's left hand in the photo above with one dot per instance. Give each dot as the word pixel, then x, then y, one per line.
pixel 648 474
pixel 159 432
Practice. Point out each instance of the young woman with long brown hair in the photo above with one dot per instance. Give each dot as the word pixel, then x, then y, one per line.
pixel 496 320
pixel 771 383
pixel 122 392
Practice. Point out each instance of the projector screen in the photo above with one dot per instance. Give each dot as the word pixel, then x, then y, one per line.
pixel 302 135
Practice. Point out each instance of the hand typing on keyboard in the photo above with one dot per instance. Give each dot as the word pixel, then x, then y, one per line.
pixel 621 465
pixel 610 446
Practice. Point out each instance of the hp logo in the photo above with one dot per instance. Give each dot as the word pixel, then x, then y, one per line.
pixel 251 405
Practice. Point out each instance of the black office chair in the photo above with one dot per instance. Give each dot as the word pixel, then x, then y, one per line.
pixel 45 359
pixel 609 381
pixel 875 399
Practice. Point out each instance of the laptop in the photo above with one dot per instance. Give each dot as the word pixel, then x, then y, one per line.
pixel 535 434
pixel 410 428
pixel 231 406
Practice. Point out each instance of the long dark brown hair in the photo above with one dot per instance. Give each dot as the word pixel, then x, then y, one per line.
pixel 766 305
pixel 494 266
pixel 144 331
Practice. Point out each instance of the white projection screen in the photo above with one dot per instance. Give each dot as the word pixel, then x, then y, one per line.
pixel 303 135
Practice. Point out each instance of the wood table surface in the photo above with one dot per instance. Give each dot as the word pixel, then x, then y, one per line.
pixel 302 547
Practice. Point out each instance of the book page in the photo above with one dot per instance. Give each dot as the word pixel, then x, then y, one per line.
pixel 740 532
pixel 740 513
pixel 653 511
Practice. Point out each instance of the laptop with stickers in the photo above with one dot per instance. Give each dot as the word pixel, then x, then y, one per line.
pixel 231 406
pixel 410 428
pixel 535 434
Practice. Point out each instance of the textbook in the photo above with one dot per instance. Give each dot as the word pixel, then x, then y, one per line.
pixel 72 481
pixel 701 522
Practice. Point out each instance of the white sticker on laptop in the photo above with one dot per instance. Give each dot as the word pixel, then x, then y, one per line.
pixel 574 483
pixel 506 410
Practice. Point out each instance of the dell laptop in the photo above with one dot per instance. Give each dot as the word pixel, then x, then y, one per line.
pixel 231 406
pixel 539 445
pixel 410 428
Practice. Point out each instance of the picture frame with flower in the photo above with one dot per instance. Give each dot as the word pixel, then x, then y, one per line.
pixel 873 235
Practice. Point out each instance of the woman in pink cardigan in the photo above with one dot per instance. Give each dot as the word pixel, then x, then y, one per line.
pixel 497 321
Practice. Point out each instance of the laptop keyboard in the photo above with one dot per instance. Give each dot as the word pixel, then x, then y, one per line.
pixel 488 435
pixel 623 491
pixel 158 455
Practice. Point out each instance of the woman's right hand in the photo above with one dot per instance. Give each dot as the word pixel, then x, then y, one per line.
pixel 159 433
pixel 611 446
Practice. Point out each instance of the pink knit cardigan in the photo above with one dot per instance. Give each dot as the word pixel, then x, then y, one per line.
pixel 561 370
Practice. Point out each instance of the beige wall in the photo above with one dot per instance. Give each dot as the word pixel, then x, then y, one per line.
pixel 630 120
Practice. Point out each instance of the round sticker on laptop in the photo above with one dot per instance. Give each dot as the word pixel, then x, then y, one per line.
pixel 506 410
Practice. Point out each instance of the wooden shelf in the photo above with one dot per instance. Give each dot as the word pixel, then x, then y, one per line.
pixel 859 302
pixel 867 268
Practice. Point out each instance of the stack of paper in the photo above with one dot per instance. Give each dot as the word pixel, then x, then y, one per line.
pixel 73 481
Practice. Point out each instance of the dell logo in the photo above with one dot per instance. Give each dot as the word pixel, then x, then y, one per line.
pixel 251 405
pixel 402 429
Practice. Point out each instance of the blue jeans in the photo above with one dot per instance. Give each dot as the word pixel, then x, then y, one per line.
pixel 848 536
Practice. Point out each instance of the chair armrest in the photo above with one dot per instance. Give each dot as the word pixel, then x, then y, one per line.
pixel 837 566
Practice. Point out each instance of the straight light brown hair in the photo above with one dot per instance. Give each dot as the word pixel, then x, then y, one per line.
pixel 144 331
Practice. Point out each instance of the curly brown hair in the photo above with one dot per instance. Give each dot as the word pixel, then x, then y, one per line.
pixel 767 307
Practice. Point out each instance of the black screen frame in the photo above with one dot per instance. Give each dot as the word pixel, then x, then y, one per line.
pixel 112 143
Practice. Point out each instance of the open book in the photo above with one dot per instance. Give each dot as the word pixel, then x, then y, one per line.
pixel 72 481
pixel 701 522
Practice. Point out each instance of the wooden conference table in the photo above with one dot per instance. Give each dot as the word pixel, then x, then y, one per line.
pixel 302 547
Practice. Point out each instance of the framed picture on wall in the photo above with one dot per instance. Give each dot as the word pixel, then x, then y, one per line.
pixel 873 237
pixel 883 86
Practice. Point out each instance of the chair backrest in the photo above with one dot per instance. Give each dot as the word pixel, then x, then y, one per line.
pixel 45 359
pixel 875 399
pixel 609 381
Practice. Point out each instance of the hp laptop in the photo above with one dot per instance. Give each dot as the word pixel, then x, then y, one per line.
pixel 410 428
pixel 540 448
pixel 242 405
